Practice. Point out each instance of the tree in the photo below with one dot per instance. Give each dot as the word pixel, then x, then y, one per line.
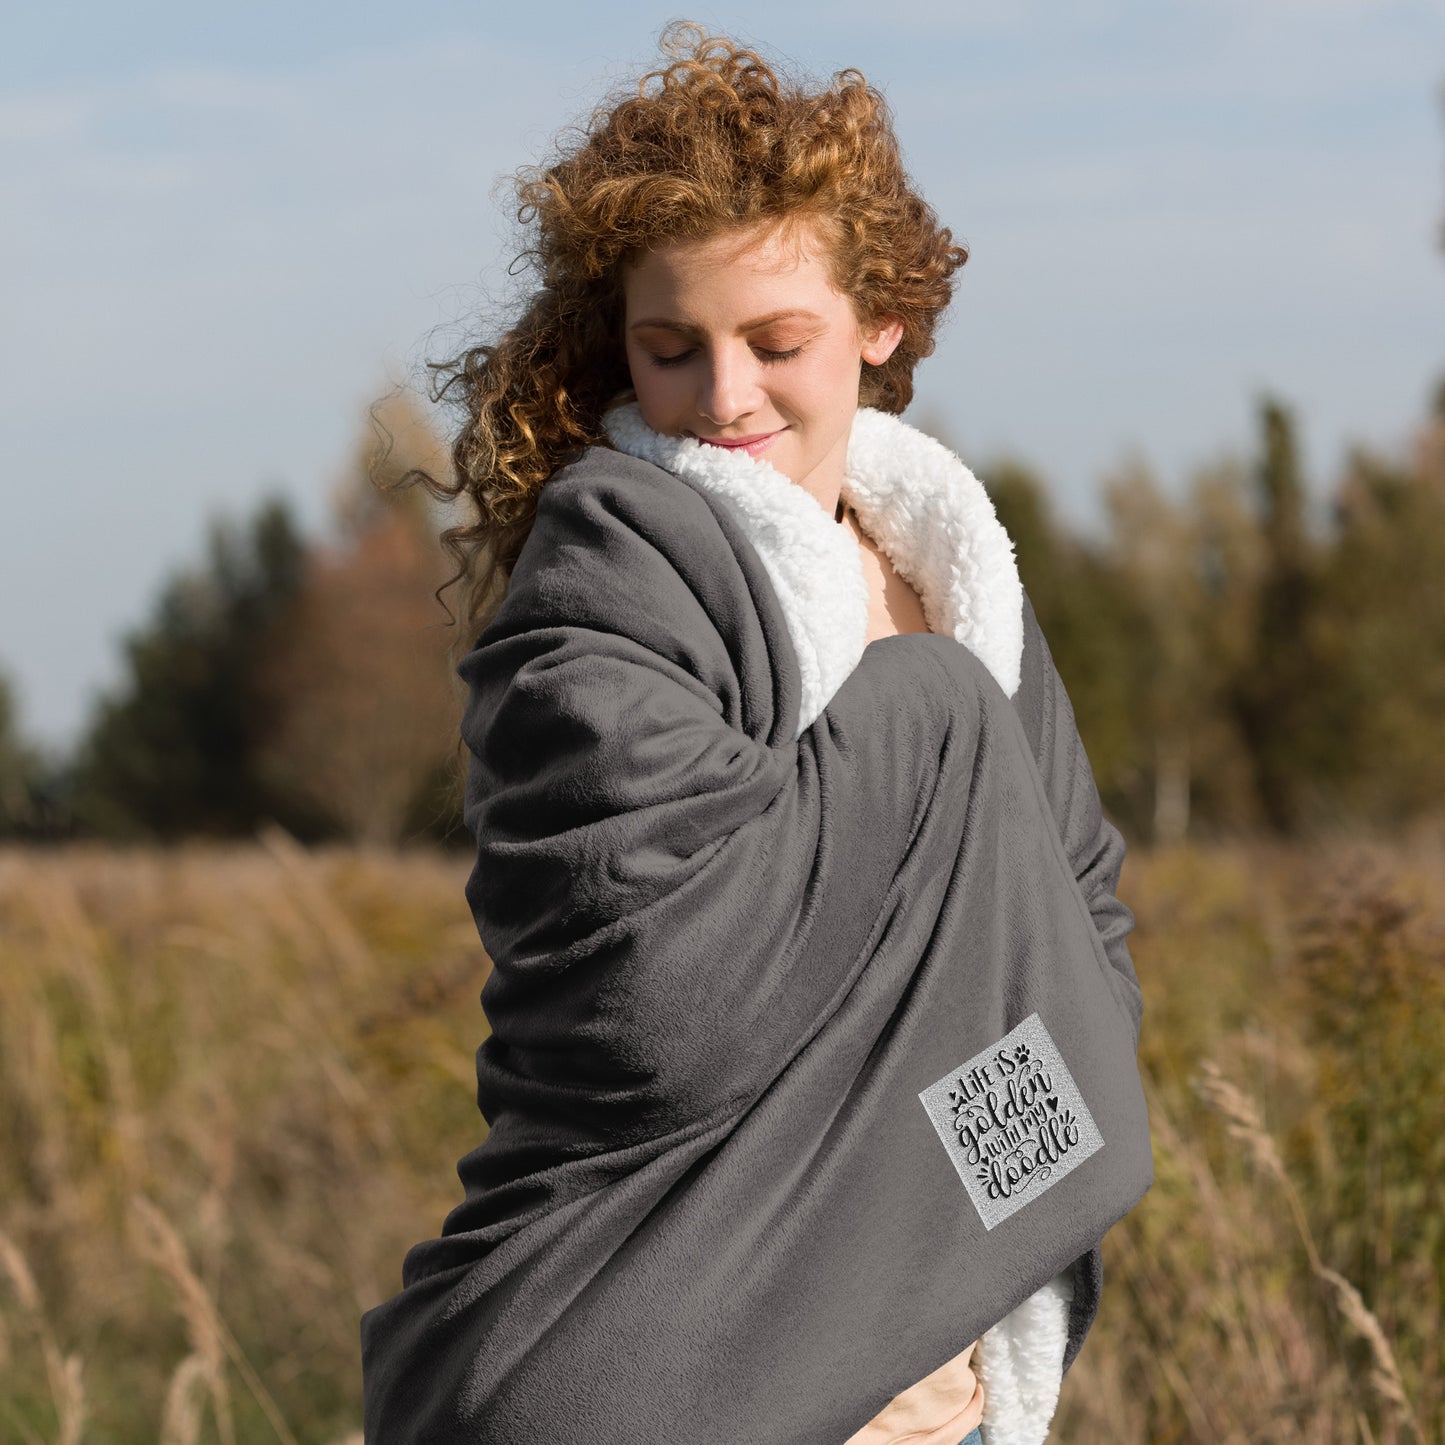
pixel 1228 565
pixel 1189 572
pixel 1088 620
pixel 1281 686
pixel 170 752
pixel 363 702
pixel 1385 625
pixel 21 768
pixel 1152 549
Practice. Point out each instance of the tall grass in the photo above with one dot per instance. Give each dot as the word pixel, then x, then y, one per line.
pixel 1283 1280
pixel 234 1082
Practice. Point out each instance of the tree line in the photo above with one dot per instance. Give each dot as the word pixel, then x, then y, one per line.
pixel 1233 668
pixel 1237 669
pixel 282 679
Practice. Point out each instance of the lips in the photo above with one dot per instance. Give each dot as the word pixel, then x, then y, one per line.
pixel 752 445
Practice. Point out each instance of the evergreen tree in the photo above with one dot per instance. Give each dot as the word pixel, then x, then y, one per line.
pixel 1278 692
pixel 21 768
pixel 170 753
pixel 1088 620
pixel 1228 564
pixel 1385 605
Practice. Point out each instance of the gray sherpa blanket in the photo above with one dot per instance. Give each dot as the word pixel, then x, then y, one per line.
pixel 813 1026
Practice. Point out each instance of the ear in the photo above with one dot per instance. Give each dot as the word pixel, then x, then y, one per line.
pixel 881 340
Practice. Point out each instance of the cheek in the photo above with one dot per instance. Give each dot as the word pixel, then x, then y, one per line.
pixel 648 382
pixel 654 394
pixel 832 385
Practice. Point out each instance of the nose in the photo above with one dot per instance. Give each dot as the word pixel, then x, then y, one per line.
pixel 728 388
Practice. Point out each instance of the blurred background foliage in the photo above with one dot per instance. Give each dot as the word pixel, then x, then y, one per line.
pixel 1235 667
pixel 284 679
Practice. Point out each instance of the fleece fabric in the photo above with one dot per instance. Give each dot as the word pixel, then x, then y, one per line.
pixel 936 522
pixel 813 1024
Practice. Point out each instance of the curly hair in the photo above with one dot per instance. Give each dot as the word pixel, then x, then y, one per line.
pixel 715 140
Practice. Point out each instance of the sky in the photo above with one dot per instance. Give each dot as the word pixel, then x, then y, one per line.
pixel 225 230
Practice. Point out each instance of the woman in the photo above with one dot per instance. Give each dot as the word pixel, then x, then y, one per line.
pixel 811 1076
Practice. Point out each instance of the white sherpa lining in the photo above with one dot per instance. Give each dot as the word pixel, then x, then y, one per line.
pixel 932 517
pixel 914 498
pixel 1020 1363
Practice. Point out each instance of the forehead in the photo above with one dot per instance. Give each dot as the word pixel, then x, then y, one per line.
pixel 735 270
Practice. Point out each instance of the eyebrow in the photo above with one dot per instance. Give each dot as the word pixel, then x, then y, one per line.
pixel 663 323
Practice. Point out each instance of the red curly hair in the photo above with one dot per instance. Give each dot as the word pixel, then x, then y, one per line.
pixel 713 141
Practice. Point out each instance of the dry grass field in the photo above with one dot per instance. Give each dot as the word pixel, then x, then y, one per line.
pixel 234 1082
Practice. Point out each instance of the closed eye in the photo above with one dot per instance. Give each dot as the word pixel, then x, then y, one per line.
pixel 768 358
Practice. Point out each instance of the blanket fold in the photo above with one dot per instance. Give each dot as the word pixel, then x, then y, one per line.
pixel 812 1052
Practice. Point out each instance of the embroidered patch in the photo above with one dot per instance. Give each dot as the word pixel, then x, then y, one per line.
pixel 1013 1121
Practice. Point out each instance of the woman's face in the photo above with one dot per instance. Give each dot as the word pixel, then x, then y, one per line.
pixel 743 340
